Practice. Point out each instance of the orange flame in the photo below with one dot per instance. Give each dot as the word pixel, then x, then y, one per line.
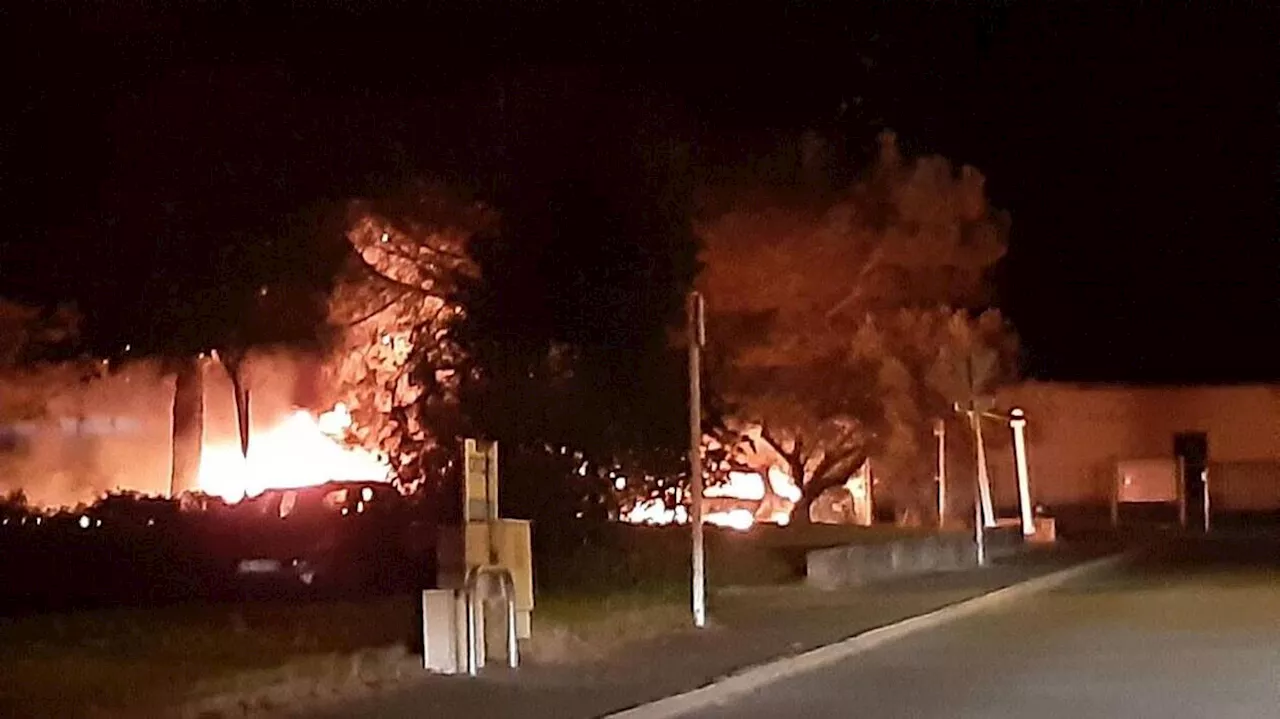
pixel 300 451
pixel 747 488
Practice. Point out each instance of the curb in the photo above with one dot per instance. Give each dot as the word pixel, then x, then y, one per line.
pixel 752 678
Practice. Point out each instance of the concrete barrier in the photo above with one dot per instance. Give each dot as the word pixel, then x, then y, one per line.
pixel 853 565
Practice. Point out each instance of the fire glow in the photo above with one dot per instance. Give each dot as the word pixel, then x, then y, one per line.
pixel 301 450
pixel 744 488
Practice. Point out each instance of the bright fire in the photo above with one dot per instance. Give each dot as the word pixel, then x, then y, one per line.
pixel 300 451
pixel 746 487
pixel 739 519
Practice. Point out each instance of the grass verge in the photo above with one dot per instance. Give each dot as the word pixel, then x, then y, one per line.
pixel 137 663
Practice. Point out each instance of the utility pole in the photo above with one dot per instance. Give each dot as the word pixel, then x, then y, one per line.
pixel 697 335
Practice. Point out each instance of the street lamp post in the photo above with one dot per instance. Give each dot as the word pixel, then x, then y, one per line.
pixel 1018 421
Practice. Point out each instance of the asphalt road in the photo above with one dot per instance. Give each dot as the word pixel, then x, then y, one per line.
pixel 1193 633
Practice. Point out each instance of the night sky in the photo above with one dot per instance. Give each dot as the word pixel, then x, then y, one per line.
pixel 150 155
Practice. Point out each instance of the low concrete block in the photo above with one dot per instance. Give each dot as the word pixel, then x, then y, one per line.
pixel 857 564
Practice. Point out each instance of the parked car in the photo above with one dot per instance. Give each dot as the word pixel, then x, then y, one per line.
pixel 333 537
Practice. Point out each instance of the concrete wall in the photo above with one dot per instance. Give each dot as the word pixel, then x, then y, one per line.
pixel 1244 486
pixel 90 437
pixel 115 431
pixel 853 565
pixel 1077 433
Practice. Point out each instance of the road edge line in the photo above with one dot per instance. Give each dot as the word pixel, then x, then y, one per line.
pixel 752 678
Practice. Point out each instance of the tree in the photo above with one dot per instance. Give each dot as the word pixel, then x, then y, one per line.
pixel 577 380
pixel 32 341
pixel 37 364
pixel 29 334
pixel 838 320
pixel 395 314
pixel 569 437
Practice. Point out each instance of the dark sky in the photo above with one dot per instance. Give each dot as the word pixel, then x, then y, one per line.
pixel 1135 147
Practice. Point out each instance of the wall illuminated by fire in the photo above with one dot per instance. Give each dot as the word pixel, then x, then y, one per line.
pixel 114 432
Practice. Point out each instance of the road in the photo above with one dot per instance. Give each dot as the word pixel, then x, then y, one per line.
pixel 1193 633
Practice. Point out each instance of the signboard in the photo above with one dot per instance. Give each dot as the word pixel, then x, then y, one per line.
pixel 1147 480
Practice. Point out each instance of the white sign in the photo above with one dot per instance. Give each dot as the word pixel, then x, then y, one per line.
pixel 1147 480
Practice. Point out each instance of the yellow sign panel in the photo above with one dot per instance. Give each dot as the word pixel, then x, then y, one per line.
pixel 511 548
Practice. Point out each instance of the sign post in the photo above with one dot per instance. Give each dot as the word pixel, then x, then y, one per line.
pixel 979 526
pixel 984 472
pixel 980 366
pixel 697 339
pixel 480 504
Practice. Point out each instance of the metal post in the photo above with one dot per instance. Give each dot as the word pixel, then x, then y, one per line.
pixel 697 338
pixel 984 483
pixel 1182 492
pixel 1018 422
pixel 984 474
pixel 508 594
pixel 1115 498
pixel 491 501
pixel 1204 477
pixel 940 431
pixel 979 535
pixel 513 642
pixel 473 660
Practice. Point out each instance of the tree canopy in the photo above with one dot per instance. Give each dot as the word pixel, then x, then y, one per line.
pixel 396 356
pixel 32 341
pixel 30 334
pixel 839 322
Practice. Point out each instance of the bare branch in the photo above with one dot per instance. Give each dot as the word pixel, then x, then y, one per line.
pixel 873 263
pixel 791 457
pixel 370 315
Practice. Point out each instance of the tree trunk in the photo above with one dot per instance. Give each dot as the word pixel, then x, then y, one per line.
pixel 188 427
pixel 234 366
pixel 800 513
pixel 826 476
